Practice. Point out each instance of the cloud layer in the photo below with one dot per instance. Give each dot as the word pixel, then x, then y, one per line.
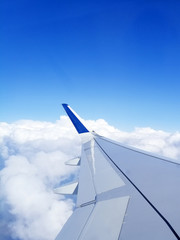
pixel 32 156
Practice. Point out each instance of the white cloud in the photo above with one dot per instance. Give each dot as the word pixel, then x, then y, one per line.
pixel 32 158
pixel 148 139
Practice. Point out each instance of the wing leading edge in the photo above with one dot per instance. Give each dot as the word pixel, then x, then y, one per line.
pixel 123 193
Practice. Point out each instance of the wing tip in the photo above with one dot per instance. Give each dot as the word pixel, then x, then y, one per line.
pixel 64 104
pixel 75 119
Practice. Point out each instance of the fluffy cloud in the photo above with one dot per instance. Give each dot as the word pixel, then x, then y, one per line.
pixel 156 141
pixel 32 164
pixel 32 156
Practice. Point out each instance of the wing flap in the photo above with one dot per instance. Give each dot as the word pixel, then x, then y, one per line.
pixel 107 225
pixel 89 223
pixel 75 224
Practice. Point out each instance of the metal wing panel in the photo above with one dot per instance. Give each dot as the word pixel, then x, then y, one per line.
pixel 100 220
pixel 86 189
pixel 75 224
pixel 97 217
pixel 104 176
pixel 141 221
pixel 106 219
pixel 158 180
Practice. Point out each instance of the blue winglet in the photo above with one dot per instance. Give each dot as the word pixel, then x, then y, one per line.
pixel 76 122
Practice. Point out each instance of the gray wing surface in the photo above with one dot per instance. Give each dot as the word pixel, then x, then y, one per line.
pixel 123 193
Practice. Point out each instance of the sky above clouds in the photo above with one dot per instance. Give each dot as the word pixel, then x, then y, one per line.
pixel 117 60
pixel 114 62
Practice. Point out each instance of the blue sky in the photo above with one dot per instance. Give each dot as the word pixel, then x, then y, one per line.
pixel 116 60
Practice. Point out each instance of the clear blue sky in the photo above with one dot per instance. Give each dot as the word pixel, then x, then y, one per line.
pixel 117 60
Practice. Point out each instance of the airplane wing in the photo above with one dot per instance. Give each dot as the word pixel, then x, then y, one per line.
pixel 122 193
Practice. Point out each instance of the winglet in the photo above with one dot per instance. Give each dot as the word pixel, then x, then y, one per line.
pixel 74 119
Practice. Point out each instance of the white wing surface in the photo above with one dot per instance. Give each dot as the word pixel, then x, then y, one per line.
pixel 122 193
